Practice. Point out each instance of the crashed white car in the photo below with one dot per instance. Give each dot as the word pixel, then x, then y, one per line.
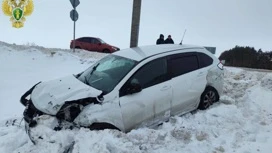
pixel 141 86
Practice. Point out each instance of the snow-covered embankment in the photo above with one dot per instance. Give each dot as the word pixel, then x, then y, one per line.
pixel 240 122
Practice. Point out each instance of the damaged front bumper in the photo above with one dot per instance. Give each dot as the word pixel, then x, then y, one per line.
pixel 64 119
pixel 34 118
pixel 30 111
pixel 31 114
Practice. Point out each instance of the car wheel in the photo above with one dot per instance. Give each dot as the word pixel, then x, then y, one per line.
pixel 102 126
pixel 106 51
pixel 77 47
pixel 208 97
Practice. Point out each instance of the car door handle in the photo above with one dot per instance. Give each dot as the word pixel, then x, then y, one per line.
pixel 165 88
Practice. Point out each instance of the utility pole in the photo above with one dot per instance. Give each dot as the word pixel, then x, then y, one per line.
pixel 135 24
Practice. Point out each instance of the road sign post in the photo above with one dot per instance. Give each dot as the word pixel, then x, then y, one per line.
pixel 74 17
pixel 74 42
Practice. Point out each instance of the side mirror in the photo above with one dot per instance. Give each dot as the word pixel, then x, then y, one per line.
pixel 133 87
pixel 100 43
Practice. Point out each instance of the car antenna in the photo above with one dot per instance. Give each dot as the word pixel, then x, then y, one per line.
pixel 183 37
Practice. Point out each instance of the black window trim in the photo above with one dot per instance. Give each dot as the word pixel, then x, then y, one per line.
pixel 181 55
pixel 85 39
pixel 198 56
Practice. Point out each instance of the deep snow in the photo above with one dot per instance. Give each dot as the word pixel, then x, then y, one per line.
pixel 241 122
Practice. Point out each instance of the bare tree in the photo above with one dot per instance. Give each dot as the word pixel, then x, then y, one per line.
pixel 135 24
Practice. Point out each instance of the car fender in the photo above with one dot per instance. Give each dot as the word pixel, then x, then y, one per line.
pixel 215 79
pixel 109 112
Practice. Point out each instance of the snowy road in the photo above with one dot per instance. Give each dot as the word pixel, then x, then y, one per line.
pixel 241 122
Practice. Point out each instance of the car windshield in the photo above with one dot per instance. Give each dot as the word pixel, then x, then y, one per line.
pixel 107 73
pixel 103 42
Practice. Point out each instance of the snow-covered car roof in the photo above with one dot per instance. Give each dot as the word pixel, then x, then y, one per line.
pixel 139 53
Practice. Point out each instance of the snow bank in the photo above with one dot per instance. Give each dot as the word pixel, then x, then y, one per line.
pixel 22 67
pixel 82 55
pixel 240 122
pixel 266 82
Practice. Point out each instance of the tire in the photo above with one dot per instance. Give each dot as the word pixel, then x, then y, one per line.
pixel 77 47
pixel 106 51
pixel 208 97
pixel 102 126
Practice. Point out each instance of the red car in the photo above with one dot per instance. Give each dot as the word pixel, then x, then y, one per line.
pixel 93 44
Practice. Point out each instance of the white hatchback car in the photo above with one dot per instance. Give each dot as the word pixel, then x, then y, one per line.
pixel 134 87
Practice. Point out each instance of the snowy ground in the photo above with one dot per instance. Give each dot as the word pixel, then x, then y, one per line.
pixel 241 122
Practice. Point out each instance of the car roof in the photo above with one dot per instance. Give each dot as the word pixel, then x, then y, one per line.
pixel 140 53
pixel 88 37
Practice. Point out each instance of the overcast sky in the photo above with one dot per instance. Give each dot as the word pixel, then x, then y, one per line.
pixel 219 23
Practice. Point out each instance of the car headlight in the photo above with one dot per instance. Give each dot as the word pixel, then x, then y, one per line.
pixel 69 112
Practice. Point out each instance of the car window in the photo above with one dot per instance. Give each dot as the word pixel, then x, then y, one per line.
pixel 183 65
pixel 81 39
pixel 152 73
pixel 112 63
pixel 103 42
pixel 95 41
pixel 204 60
pixel 84 39
pixel 88 40
pixel 107 72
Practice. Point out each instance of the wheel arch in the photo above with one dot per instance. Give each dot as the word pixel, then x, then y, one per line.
pixel 210 86
pixel 108 113
pixel 102 126
pixel 106 50
pixel 206 88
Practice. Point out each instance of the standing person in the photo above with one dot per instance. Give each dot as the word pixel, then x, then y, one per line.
pixel 160 40
pixel 169 40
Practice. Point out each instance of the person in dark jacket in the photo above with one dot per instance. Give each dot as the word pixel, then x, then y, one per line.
pixel 160 40
pixel 169 40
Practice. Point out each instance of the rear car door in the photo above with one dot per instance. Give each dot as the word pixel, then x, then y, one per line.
pixel 84 43
pixel 153 101
pixel 188 82
pixel 90 45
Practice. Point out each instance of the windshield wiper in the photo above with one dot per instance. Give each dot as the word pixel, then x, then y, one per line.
pixel 85 77
pixel 94 68
pixel 86 81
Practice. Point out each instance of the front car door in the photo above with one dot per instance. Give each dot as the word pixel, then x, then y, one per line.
pixel 91 46
pixel 153 101
pixel 188 82
pixel 96 44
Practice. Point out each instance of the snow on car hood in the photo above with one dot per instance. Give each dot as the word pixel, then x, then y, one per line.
pixel 49 96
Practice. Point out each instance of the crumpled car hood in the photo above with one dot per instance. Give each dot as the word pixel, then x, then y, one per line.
pixel 49 96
